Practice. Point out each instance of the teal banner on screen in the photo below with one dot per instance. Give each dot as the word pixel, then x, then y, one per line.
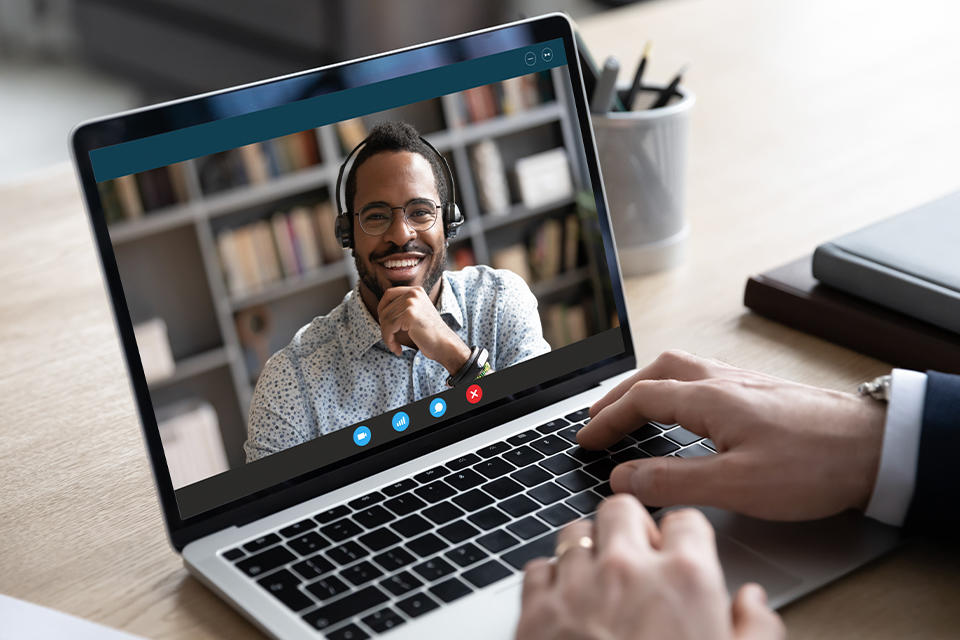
pixel 221 135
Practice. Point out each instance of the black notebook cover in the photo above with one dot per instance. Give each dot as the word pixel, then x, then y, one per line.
pixel 790 294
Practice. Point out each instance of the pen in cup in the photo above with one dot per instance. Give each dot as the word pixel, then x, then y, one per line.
pixel 605 91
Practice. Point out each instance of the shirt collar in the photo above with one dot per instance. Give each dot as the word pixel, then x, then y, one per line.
pixel 361 332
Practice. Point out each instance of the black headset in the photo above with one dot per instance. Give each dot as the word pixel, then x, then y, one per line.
pixel 450 213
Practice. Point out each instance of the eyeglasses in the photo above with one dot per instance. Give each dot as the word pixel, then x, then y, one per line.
pixel 419 214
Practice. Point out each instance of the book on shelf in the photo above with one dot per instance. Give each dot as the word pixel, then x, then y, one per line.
pixel 571 242
pixel 546 250
pixel 564 324
pixel 512 258
pixel 255 163
pixel 509 97
pixel 266 251
pixel 128 195
pixel 153 344
pixel 491 178
pixel 192 443
pixel 544 178
pixel 463 257
pixel 156 189
pixel 285 245
pixel 305 238
pixel 351 133
pixel 330 246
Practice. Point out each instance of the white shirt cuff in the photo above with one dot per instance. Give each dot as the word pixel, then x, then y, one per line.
pixel 897 474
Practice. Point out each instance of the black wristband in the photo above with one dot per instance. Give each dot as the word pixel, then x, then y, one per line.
pixel 455 378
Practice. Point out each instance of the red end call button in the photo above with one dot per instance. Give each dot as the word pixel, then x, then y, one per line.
pixel 474 393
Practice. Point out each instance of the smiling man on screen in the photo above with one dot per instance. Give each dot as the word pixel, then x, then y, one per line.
pixel 409 329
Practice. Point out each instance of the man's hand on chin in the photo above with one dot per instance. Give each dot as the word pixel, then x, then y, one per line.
pixel 407 312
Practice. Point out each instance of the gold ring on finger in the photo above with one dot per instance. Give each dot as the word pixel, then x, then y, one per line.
pixel 583 542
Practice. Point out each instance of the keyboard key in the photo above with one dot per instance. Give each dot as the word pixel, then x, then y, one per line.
pixel 622 443
pixel 463 461
pixel 489 518
pixel 373 517
pixel 553 425
pixel 577 416
pixel 394 558
pixel 645 432
pixel 361 573
pixel 435 491
pixel 709 443
pixel 383 620
pixel 411 526
pixel 443 512
pixel 450 590
pixel 527 528
pixel 401 583
pixel 309 543
pixel 347 552
pixel 523 438
pixel 586 455
pixel 486 574
pixel 347 632
pixel 417 605
pixel 234 554
pixel 542 547
pixel 262 543
pixel 458 531
pixel 682 437
pixel 266 561
pixel 366 501
pixel 519 505
pixel 494 467
pixel 379 539
pixel 585 502
pixel 696 451
pixel 558 514
pixel 560 464
pixel 427 545
pixel 664 425
pixel 549 445
pixel 283 585
pixel 659 446
pixel 434 569
pixel 430 475
pixel 493 449
pixel 341 529
pixel 327 588
pixel 473 500
pixel 502 488
pixel 632 453
pixel 313 567
pixel 604 489
pixel 531 476
pixel 295 530
pixel 548 493
pixel 466 555
pixel 332 514
pixel 522 456
pixel 576 481
pixel 397 488
pixel 570 433
pixel 601 469
pixel 404 504
pixel 465 479
pixel 346 607
pixel 497 541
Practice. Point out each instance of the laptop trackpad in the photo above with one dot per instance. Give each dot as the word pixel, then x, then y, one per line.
pixel 741 565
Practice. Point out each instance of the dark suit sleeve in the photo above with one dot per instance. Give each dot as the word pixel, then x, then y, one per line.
pixel 936 496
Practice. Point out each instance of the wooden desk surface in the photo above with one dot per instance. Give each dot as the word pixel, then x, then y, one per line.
pixel 813 118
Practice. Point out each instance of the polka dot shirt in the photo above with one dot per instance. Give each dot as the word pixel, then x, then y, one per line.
pixel 337 371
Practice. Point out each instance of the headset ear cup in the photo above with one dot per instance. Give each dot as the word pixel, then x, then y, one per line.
pixel 452 219
pixel 344 231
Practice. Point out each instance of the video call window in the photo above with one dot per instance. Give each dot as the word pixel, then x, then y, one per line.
pixel 259 331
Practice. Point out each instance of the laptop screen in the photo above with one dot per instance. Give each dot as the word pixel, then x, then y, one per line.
pixel 323 266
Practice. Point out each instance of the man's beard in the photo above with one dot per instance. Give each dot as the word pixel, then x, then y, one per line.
pixel 435 270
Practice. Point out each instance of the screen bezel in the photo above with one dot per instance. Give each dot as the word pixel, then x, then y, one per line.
pixel 272 92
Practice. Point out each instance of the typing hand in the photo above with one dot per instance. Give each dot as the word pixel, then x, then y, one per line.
pixel 623 578
pixel 408 317
pixel 787 451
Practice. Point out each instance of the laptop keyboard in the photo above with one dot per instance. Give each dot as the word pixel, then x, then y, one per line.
pixel 362 568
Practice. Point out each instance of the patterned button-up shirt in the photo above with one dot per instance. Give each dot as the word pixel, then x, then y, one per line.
pixel 337 371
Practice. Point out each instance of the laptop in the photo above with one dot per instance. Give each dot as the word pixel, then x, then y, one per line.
pixel 304 480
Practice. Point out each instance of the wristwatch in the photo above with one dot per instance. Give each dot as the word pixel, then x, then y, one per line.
pixel 878 388
pixel 475 367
